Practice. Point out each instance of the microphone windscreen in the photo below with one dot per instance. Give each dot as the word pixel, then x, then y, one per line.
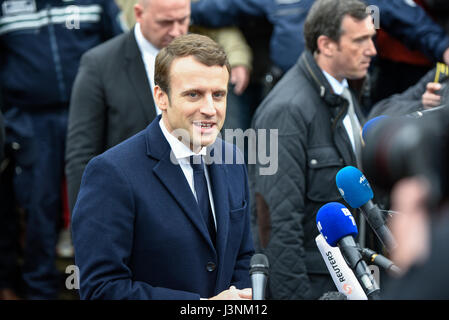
pixel 259 263
pixel 353 186
pixel 335 221
pixel 370 125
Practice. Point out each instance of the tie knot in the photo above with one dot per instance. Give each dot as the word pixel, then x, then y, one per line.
pixel 197 163
pixel 347 95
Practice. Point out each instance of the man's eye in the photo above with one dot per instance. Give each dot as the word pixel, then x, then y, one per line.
pixel 193 94
pixel 219 95
pixel 164 23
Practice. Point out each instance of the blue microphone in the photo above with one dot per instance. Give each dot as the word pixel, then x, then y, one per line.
pixel 355 189
pixel 337 225
pixel 329 220
pixel 371 124
pixel 353 186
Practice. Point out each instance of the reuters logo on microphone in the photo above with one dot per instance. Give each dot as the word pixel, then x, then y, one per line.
pixel 347 288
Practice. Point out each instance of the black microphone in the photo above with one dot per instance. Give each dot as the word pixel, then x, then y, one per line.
pixel 259 275
pixel 380 260
pixel 357 192
pixel 376 220
pixel 338 227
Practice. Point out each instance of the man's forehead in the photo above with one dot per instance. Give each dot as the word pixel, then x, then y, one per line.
pixel 157 6
pixel 190 61
pixel 194 69
pixel 355 27
pixel 171 16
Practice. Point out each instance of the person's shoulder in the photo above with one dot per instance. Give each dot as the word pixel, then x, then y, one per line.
pixel 127 152
pixel 293 98
pixel 108 49
pixel 292 89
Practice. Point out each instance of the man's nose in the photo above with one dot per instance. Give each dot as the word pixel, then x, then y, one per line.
pixel 177 29
pixel 371 51
pixel 208 107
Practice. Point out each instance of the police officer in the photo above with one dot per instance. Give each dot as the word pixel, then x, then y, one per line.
pixel 41 43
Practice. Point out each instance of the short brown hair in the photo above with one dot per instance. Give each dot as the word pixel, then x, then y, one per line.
pixel 325 18
pixel 202 48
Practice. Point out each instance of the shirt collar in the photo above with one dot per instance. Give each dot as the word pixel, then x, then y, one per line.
pixel 336 85
pixel 179 149
pixel 144 45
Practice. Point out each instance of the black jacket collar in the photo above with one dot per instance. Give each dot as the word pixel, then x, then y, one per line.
pixel 317 78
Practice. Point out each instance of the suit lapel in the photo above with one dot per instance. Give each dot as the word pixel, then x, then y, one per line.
pixel 172 177
pixel 220 193
pixel 138 78
pixel 221 204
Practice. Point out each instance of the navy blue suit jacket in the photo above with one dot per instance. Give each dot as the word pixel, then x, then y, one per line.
pixel 138 232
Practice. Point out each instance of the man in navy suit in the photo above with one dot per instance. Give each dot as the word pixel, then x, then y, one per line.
pixel 150 222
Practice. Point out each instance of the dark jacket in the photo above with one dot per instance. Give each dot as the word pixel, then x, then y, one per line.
pixel 39 59
pixel 138 233
pixel 111 101
pixel 406 102
pixel 2 137
pixel 426 278
pixel 401 20
pixel 2 129
pixel 313 146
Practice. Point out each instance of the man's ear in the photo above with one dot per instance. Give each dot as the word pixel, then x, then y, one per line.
pixel 161 98
pixel 326 45
pixel 138 10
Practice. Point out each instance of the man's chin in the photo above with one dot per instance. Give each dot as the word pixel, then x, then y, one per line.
pixel 357 76
pixel 205 140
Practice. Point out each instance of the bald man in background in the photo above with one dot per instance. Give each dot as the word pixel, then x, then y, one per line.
pixel 230 38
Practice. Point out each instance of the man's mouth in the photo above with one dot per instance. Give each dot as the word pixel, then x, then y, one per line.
pixel 204 124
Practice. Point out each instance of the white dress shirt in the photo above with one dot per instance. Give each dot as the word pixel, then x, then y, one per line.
pixel 338 88
pixel 149 53
pixel 182 154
